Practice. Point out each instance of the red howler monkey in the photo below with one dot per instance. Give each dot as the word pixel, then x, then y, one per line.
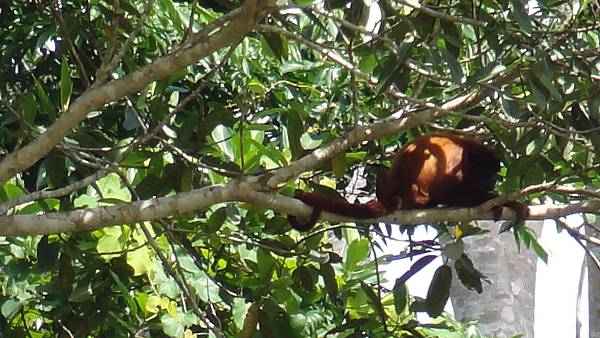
pixel 453 170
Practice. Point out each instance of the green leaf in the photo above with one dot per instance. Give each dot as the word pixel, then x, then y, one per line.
pixel 274 322
pixel 131 121
pixel 151 303
pixel 265 262
pixel 124 292
pixel 171 326
pixel 453 250
pixel 168 7
pixel 529 238
pixel 29 105
pixel 388 73
pixel 204 286
pixel 511 107
pixel 367 63
pixel 140 260
pixel 539 251
pixel 66 275
pixel 271 152
pixel 112 241
pixel 338 164
pixel 485 73
pixel 225 168
pixel 10 308
pixel 404 52
pixel 424 24
pixel 295 129
pixel 218 114
pixel 186 182
pixel 358 250
pixel 276 45
pixel 47 105
pixel 56 169
pixel 504 227
pixel 257 87
pixel 216 220
pixel 10 191
pixel 86 200
pixel 304 275
pixel 543 73
pixel 66 84
pixel 309 142
pixel 240 309
pixel 222 136
pixel 455 68
pixel 111 187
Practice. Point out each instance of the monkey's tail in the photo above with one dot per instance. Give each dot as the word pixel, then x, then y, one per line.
pixel 341 207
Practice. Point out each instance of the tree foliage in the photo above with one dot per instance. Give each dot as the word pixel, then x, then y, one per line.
pixel 149 150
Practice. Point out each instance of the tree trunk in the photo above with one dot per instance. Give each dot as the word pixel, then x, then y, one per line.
pixel 594 284
pixel 506 307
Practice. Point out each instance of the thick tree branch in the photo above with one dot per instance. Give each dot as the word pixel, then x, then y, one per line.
pixel 97 96
pixel 419 216
pixel 127 213
pixel 157 208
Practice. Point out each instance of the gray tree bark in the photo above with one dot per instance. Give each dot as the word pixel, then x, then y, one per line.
pixel 506 307
pixel 594 284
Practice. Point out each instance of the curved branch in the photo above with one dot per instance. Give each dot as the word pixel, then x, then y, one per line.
pixel 96 218
pixel 157 208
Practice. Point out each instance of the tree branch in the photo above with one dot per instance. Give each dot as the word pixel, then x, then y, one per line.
pixel 418 216
pixel 127 213
pixel 241 190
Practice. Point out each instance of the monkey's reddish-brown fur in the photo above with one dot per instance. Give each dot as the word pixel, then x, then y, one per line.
pixel 453 170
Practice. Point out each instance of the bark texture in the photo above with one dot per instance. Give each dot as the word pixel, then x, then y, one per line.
pixel 506 307
pixel 594 285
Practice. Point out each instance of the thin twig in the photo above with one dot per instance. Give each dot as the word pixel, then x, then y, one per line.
pixel 56 10
pixel 104 72
pixel 578 237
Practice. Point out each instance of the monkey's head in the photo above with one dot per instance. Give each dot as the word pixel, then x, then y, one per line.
pixel 483 166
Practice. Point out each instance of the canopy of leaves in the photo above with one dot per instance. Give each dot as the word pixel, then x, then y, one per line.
pixel 173 132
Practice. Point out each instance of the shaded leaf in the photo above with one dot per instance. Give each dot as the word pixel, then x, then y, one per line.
pixel 439 291
pixel 328 274
pixel 416 267
pixel 374 299
pixel 47 254
pixel 400 293
pixel 66 84
pixel 520 13
pixel 295 129
pixel 468 275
